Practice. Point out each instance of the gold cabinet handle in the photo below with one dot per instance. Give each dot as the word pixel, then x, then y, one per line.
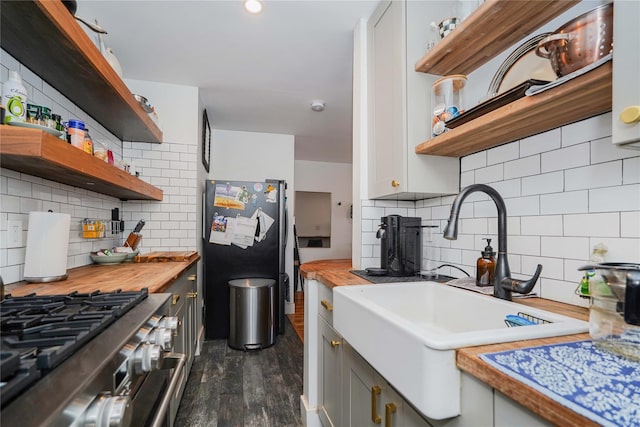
pixel 630 114
pixel 375 392
pixel 192 278
pixel 389 410
pixel 176 298
pixel 326 305
pixel 335 343
pixel 192 294
pixel 395 183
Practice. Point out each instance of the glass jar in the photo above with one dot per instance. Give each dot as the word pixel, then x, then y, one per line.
pixel 447 100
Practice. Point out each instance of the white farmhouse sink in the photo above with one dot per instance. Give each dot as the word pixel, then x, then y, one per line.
pixel 409 333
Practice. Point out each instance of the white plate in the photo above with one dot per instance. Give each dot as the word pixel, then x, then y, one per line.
pixel 53 132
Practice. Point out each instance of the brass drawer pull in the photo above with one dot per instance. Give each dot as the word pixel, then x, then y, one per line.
pixel 395 184
pixel 375 392
pixel 176 298
pixel 389 410
pixel 326 305
pixel 192 278
pixel 335 343
pixel 192 294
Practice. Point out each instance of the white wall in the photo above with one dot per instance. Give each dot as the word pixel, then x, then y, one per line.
pixel 334 178
pixel 171 166
pixel 253 156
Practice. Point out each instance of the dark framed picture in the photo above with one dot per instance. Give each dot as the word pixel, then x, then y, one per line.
pixel 206 141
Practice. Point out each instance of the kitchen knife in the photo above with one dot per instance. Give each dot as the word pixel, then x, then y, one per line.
pixel 139 226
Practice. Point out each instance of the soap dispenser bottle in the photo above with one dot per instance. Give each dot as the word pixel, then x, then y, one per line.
pixel 485 266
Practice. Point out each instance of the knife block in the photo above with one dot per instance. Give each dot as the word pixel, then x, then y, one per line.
pixel 133 240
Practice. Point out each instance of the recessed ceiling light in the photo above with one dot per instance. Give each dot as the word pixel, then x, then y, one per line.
pixel 253 6
pixel 317 105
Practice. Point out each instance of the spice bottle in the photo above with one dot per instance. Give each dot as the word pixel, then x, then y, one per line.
pixel 485 266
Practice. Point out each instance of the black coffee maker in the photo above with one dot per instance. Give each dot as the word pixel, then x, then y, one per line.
pixel 401 239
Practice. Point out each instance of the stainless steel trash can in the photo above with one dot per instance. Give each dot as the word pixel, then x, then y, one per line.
pixel 252 313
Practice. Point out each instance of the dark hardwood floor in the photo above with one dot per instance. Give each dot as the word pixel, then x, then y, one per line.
pixel 233 388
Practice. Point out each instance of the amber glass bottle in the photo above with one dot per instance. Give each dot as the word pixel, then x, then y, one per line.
pixel 485 266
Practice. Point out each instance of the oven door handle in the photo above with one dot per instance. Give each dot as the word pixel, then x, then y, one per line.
pixel 171 361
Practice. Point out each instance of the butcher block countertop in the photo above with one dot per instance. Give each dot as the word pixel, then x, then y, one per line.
pixel 336 273
pixel 128 276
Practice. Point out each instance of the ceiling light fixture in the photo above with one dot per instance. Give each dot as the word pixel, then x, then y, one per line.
pixel 253 6
pixel 317 105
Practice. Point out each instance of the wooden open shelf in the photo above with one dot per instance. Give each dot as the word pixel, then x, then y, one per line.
pixel 493 27
pixel 38 153
pixel 577 99
pixel 45 37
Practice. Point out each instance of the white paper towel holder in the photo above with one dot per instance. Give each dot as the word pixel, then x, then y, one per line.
pixel 47 247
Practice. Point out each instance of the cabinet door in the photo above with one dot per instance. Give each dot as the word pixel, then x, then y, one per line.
pixel 509 413
pixel 361 397
pixel 626 69
pixel 387 146
pixel 329 375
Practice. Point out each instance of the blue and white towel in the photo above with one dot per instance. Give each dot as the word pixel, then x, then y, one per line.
pixel 599 385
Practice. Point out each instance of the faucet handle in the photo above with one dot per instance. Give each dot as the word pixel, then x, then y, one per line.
pixel 522 286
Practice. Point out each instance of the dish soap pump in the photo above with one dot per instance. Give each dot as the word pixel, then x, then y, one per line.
pixel 485 266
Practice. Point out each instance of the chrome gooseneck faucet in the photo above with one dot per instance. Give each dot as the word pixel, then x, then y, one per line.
pixel 503 284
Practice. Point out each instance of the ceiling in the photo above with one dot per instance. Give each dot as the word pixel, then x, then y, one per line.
pixel 256 73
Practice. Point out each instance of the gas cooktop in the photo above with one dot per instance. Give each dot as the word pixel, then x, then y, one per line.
pixel 39 332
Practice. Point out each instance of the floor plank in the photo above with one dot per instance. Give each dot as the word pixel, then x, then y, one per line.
pixel 228 387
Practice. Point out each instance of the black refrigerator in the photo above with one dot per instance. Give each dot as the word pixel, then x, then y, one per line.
pixel 245 233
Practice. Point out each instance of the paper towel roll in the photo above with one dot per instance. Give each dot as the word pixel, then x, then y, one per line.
pixel 47 247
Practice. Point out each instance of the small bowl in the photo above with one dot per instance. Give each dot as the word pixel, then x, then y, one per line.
pixel 131 255
pixel 108 259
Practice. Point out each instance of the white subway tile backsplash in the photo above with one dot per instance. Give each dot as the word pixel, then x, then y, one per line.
pixel 370 212
pixel 473 226
pixel 503 153
pixel 508 188
pixel 552 182
pixel 571 273
pixel 485 209
pixel 564 203
pixel 631 171
pixel 558 290
pixel 565 158
pixel 595 176
pixel 624 198
pixel 526 166
pixel 630 224
pixel 453 256
pixel 540 143
pixel 592 225
pixel 464 241
pixel 473 161
pixel 586 130
pixel 513 226
pixel 519 206
pixel 489 174
pixel 603 150
pixel 565 247
pixel 552 268
pixel 543 225
pixel 619 250
pixel 525 245
pixel 467 178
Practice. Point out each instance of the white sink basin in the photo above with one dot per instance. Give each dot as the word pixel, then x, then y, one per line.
pixel 409 333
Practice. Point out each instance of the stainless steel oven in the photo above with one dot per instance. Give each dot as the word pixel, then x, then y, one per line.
pixel 124 376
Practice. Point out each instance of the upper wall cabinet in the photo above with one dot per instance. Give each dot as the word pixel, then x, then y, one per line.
pixel 398 107
pixel 489 30
pixel 626 69
pixel 45 37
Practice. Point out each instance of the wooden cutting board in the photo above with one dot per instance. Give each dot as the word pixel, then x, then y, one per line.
pixel 166 256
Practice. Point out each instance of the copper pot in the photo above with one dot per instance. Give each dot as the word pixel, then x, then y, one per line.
pixel 579 42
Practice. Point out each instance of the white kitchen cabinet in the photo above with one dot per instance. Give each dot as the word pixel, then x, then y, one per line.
pixel 508 413
pixel 368 400
pixel 399 106
pixel 626 69
pixel 329 375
